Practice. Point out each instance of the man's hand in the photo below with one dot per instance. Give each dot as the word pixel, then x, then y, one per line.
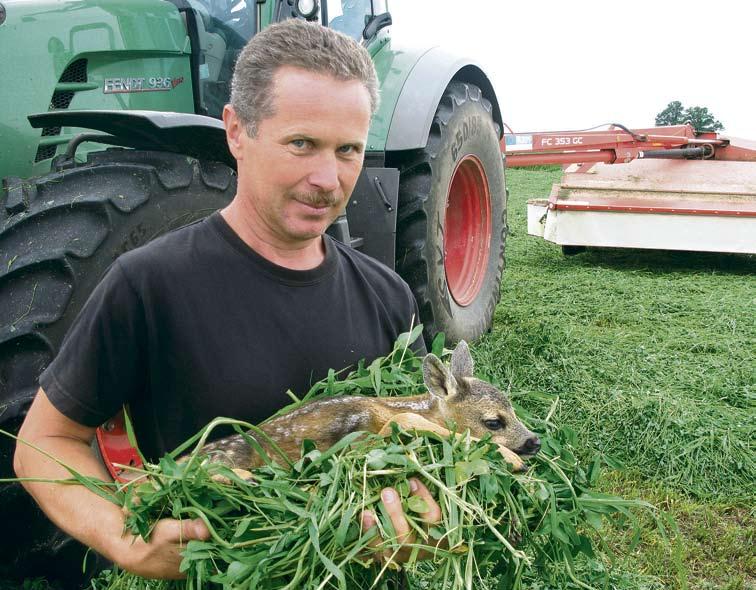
pixel 161 556
pixel 404 532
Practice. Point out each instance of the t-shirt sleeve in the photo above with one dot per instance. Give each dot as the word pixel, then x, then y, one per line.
pixel 100 365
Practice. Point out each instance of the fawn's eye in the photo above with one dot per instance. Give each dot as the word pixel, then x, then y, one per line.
pixel 493 424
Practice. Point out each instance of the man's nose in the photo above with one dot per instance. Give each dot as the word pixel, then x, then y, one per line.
pixel 325 173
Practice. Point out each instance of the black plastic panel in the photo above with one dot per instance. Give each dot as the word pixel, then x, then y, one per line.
pixel 372 213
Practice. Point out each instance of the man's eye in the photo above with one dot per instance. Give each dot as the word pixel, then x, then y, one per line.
pixel 347 149
pixel 299 144
pixel 493 424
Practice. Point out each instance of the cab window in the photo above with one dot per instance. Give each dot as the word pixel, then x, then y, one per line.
pixel 348 16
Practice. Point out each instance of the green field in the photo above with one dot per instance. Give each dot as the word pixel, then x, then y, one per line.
pixel 651 358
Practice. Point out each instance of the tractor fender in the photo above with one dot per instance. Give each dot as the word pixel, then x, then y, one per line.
pixel 182 133
pixel 422 91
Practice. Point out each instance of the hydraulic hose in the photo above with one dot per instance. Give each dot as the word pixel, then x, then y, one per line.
pixel 678 154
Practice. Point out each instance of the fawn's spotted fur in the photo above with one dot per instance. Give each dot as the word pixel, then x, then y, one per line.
pixel 454 395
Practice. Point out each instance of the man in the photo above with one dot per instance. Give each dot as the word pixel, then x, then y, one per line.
pixel 225 315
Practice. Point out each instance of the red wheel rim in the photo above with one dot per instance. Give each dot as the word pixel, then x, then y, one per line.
pixel 467 230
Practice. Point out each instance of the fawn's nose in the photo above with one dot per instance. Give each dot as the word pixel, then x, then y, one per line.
pixel 530 447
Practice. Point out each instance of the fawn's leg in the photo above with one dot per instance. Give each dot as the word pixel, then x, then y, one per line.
pixel 412 421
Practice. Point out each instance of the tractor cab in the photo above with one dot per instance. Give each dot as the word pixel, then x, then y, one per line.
pixel 219 30
pixel 350 17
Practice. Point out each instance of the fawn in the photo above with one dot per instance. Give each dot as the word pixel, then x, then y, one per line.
pixel 453 396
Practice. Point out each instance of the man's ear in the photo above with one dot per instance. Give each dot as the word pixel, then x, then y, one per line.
pixel 438 379
pixel 235 132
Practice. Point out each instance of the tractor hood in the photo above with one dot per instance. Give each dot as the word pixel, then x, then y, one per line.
pixel 61 55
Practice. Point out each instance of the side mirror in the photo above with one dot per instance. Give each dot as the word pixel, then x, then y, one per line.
pixel 373 24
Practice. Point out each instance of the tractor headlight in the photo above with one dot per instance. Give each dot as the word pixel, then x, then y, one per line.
pixel 306 8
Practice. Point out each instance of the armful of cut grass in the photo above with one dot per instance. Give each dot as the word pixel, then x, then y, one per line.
pixel 295 524
pixel 293 527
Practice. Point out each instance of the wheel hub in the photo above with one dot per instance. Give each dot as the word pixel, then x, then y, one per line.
pixel 467 230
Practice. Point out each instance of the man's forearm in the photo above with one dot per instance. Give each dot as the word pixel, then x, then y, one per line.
pixel 91 519
pixel 84 515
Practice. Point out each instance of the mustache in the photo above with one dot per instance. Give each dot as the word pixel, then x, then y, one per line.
pixel 316 198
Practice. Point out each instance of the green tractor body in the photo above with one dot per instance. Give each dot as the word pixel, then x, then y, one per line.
pixel 139 55
pixel 110 136
pixel 74 56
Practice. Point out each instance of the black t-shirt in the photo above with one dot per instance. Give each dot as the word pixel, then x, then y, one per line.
pixel 197 325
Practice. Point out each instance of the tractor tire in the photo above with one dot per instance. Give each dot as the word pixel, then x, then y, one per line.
pixel 452 225
pixel 59 233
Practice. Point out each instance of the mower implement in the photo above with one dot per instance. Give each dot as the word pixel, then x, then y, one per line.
pixel 665 188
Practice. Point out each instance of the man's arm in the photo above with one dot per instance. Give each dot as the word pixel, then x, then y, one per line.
pixel 82 514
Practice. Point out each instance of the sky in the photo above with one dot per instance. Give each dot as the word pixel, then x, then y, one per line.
pixel 572 65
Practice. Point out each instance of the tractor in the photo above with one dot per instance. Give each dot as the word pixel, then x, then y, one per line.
pixel 110 136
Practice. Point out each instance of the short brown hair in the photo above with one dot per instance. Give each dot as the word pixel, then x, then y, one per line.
pixel 300 44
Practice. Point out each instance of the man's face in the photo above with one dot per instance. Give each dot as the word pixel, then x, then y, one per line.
pixel 297 173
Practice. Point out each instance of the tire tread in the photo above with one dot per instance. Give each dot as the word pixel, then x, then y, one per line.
pixel 416 168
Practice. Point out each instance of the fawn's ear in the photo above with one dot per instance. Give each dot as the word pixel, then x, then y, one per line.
pixel 461 361
pixel 438 379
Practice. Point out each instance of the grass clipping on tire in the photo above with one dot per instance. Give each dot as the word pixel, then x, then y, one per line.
pixel 296 525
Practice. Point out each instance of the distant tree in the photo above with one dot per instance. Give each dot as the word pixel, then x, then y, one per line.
pixel 699 117
pixel 672 115
pixel 702 119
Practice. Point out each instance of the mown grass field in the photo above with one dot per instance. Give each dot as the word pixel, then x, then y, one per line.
pixel 651 358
